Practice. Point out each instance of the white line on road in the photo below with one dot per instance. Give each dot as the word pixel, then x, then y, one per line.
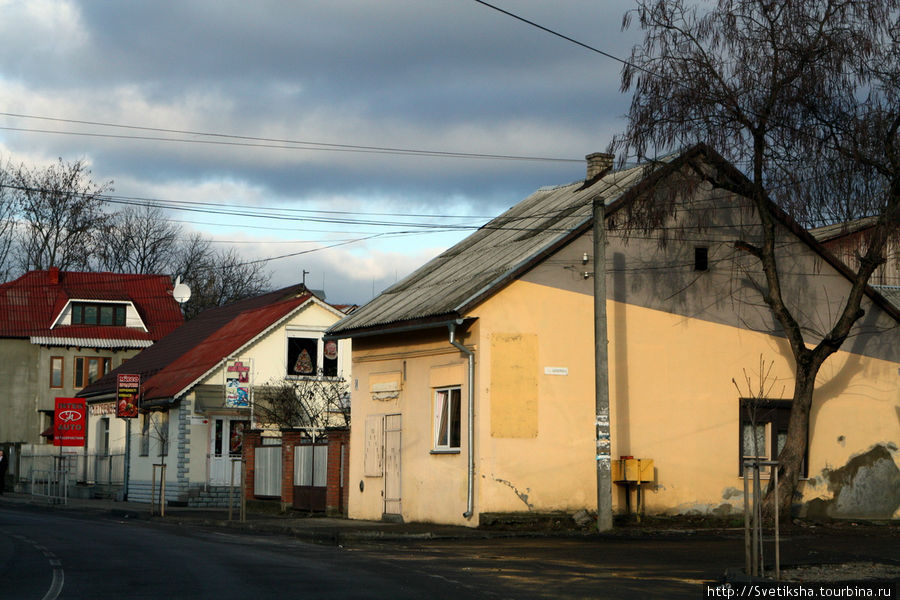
pixel 59 577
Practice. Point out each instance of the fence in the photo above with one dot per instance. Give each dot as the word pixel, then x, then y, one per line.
pixel 267 467
pixel 101 469
pixel 52 485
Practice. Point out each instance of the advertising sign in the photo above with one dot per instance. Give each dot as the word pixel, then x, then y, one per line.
pixel 69 422
pixel 128 387
pixel 237 384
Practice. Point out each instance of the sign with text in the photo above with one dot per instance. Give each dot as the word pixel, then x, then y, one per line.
pixel 237 383
pixel 69 422
pixel 128 387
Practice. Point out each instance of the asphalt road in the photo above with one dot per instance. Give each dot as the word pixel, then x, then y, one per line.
pixel 47 555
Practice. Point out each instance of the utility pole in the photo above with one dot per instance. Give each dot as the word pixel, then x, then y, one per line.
pixel 601 371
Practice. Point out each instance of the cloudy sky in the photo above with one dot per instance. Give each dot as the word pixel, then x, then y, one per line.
pixel 303 98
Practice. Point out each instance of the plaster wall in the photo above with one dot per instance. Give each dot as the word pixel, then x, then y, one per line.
pixel 433 485
pixel 19 405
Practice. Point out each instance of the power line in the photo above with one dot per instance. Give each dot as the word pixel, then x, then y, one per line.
pixel 263 142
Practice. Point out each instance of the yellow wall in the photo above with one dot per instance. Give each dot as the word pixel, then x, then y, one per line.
pixel 672 400
pixel 433 486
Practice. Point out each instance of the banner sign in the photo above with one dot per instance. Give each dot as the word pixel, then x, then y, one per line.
pixel 237 383
pixel 69 422
pixel 128 387
pixel 102 409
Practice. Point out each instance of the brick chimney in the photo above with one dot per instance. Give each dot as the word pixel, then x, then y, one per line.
pixel 598 163
pixel 54 275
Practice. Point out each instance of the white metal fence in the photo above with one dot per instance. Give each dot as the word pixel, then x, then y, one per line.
pixel 311 465
pixel 267 471
pixel 102 469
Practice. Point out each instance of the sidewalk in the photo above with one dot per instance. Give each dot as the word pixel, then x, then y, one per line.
pixel 326 530
pixel 337 531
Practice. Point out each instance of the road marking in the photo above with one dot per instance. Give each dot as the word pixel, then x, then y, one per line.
pixel 57 585
pixel 59 576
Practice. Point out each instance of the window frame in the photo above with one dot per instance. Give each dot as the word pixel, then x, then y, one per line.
pixel 103 436
pixel 449 397
pixel 774 415
pixel 61 360
pixel 144 449
pixel 81 376
pixel 323 367
pixel 119 313
pixel 162 428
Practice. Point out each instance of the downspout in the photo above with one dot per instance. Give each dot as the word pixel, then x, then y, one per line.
pixel 470 496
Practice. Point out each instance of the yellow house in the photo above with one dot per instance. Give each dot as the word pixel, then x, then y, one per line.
pixel 473 378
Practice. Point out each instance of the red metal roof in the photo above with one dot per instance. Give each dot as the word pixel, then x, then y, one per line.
pixel 172 364
pixel 29 304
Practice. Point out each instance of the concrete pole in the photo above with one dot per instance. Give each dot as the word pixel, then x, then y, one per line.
pixel 601 372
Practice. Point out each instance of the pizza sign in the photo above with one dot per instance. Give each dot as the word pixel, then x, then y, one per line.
pixel 128 387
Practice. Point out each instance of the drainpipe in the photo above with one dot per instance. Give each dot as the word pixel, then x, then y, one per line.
pixel 470 497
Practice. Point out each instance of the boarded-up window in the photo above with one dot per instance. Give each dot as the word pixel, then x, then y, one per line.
pixel 514 385
pixel 385 386
pixel 374 444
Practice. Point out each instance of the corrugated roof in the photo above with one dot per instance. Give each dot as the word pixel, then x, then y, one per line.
pixel 830 232
pixel 29 304
pixel 174 363
pixel 890 292
pixel 449 283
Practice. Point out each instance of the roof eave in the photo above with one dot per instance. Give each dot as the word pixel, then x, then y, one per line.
pixel 442 320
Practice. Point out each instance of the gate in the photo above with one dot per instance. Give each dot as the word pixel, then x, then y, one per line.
pixel 310 476
pixel 267 471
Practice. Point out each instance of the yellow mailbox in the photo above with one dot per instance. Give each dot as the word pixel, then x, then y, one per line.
pixel 632 470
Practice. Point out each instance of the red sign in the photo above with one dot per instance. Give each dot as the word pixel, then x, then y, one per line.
pixel 69 422
pixel 128 387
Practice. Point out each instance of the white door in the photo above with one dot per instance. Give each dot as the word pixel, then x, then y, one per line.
pixel 226 442
pixel 392 465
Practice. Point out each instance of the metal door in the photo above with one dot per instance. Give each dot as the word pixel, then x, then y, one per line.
pixel 310 476
pixel 392 465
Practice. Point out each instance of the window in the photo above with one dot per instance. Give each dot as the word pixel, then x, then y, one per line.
pixel 145 434
pixel 56 371
pixel 310 356
pixel 764 427
pixel 93 313
pixel 236 437
pixel 302 358
pixel 330 358
pixel 446 418
pixel 103 436
pixel 701 258
pixel 89 369
pixel 162 432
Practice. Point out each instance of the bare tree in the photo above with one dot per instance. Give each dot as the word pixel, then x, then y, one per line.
pixel 138 239
pixel 775 87
pixel 61 216
pixel 307 402
pixel 216 277
pixel 7 220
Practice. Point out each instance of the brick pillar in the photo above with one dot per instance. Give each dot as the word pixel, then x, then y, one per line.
pixel 289 439
pixel 252 439
pixel 338 491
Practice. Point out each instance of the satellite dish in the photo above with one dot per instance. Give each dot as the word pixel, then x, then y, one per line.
pixel 181 293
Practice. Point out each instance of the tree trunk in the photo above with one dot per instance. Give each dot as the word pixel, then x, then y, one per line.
pixel 790 467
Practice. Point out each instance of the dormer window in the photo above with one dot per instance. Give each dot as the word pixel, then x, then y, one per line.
pixel 96 313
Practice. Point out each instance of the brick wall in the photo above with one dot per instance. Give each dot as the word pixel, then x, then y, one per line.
pixel 289 439
pixel 338 472
pixel 252 439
